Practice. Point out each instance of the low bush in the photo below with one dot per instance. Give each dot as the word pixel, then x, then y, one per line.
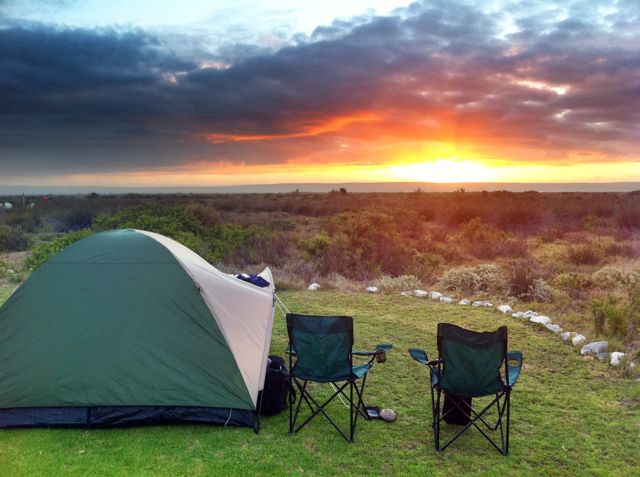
pixel 492 279
pixel 13 239
pixel 540 291
pixel 574 281
pixel 388 284
pixel 45 250
pixel 519 217
pixel 463 279
pixel 425 266
pixel 609 316
pixel 609 277
pixel 628 216
pixel 487 278
pixel 621 249
pixel 520 279
pixel 583 254
pixel 461 214
pixel 8 274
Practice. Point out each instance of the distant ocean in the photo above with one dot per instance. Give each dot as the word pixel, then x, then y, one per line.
pixel 361 187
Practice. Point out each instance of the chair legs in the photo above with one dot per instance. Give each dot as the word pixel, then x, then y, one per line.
pixel 503 409
pixel 355 400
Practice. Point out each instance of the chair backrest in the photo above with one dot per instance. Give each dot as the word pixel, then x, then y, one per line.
pixel 323 346
pixel 471 361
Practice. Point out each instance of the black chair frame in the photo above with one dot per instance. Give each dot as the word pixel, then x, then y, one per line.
pixel 502 400
pixel 347 388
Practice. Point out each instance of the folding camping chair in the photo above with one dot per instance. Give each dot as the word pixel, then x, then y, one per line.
pixel 322 348
pixel 468 366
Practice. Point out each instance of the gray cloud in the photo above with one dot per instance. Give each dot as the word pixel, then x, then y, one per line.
pixel 79 100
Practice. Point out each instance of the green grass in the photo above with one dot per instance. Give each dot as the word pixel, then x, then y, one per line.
pixel 570 416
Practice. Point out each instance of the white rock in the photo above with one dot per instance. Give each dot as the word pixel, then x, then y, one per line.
pixel 372 290
pixel 505 309
pixel 406 293
pixel 314 286
pixel 616 356
pixel 446 299
pixel 578 340
pixel 567 335
pixel 519 314
pixel 543 320
pixel 420 293
pixel 530 314
pixel 482 304
pixel 553 328
pixel 595 348
pixel 464 302
pixel 434 295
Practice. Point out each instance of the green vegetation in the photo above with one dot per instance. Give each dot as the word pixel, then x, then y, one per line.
pixel 570 415
pixel 555 253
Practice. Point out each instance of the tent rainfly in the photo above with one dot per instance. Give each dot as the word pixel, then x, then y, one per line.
pixel 130 327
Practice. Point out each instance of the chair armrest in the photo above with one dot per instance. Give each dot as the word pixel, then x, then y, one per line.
pixel 514 370
pixel 383 346
pixel 380 347
pixel 514 356
pixel 379 354
pixel 419 355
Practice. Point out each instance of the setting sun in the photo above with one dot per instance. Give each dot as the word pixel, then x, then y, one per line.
pixel 443 170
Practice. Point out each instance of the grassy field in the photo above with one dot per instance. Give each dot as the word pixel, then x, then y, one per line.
pixel 570 416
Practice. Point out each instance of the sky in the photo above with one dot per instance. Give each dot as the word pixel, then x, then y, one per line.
pixel 197 93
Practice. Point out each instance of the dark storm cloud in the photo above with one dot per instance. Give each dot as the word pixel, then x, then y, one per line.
pixel 78 100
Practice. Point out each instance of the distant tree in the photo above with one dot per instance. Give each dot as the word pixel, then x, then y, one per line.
pixel 342 190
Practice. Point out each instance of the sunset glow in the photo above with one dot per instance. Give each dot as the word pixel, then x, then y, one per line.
pixel 273 92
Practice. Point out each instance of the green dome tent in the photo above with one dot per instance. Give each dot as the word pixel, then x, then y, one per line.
pixel 130 327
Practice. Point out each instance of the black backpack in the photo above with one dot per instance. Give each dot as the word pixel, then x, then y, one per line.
pixel 273 398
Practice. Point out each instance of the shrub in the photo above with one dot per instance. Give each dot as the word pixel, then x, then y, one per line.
pixel 7 273
pixel 296 273
pixel 540 290
pixel 27 220
pixel 585 254
pixel 424 265
pixel 522 216
pixel 338 282
pixel 387 283
pixel 463 279
pixel 492 279
pixel 609 316
pixel 13 239
pixel 234 244
pixel 176 222
pixel 316 245
pixel 521 279
pixel 365 245
pixel 76 220
pixel 426 212
pixel 573 281
pixel 461 214
pixel 621 249
pixel 44 251
pixel 628 216
pixel 609 277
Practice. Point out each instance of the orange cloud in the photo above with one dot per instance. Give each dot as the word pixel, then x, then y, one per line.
pixel 332 125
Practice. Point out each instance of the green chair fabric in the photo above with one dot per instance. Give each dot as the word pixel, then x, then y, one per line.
pixel 323 346
pixel 472 364
pixel 471 361
pixel 322 349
